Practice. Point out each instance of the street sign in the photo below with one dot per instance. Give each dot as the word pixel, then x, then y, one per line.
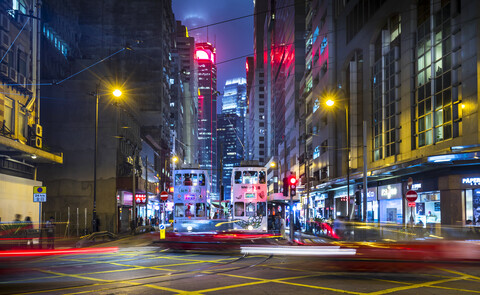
pixel 410 181
pixel 40 194
pixel 411 204
pixel 162 231
pixel 412 196
pixel 164 196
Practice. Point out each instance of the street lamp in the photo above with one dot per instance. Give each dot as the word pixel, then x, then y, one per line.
pixel 330 103
pixel 116 93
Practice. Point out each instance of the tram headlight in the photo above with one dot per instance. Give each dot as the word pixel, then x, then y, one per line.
pixel 189 228
pixel 250 227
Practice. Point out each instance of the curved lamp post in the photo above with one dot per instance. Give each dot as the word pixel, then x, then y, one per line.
pixel 116 93
pixel 330 103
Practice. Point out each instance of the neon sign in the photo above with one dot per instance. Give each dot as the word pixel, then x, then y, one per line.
pixel 204 54
pixel 471 180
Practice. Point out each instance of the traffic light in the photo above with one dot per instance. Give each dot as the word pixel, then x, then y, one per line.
pixel 292 181
pixel 285 187
pixel 357 198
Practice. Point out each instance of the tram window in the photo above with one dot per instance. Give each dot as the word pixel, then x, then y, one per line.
pixel 239 210
pixel 262 177
pixel 250 177
pixel 178 179
pixel 201 179
pixel 188 179
pixel 189 210
pixel 179 210
pixel 250 209
pixel 200 209
pixel 261 209
pixel 194 179
pixel 238 177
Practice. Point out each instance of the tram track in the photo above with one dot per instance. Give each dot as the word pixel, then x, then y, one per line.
pixel 174 276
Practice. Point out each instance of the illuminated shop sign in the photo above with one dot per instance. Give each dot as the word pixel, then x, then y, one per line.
pixel 471 180
pixel 392 191
pixel 416 186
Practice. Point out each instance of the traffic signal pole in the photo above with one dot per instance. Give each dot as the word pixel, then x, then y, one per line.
pixel 291 214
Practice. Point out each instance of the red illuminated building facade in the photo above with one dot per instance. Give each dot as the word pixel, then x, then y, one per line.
pixel 207 109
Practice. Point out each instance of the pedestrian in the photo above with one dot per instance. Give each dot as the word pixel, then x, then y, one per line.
pixel 28 231
pixel 132 226
pixel 282 227
pixel 277 224
pixel 50 225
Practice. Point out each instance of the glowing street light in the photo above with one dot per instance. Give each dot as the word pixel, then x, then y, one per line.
pixel 330 103
pixel 116 93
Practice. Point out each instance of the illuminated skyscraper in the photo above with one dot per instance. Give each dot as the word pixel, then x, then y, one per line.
pixel 207 109
pixel 231 135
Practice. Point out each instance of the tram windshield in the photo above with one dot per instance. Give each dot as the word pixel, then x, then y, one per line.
pixel 250 177
pixel 190 179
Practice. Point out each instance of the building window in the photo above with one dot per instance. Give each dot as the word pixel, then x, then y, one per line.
pixel 9 116
pixel 386 73
pixel 434 112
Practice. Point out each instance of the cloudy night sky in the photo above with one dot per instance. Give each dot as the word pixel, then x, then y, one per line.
pixel 233 39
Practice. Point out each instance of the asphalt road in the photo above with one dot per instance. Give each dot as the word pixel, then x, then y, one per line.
pixel 141 268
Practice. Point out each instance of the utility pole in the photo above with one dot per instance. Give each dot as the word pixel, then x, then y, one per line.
pixel 364 201
pixel 134 213
pixel 146 188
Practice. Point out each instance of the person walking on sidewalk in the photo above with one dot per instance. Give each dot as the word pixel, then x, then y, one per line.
pixel 50 225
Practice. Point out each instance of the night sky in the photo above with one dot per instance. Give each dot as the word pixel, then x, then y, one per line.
pixel 232 39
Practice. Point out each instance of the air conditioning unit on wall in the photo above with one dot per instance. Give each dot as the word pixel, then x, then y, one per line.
pixel 4 22
pixel 38 130
pixel 36 141
pixel 4 70
pixel 13 74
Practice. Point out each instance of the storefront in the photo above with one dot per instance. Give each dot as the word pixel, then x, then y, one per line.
pixel 319 203
pixel 372 204
pixel 471 196
pixel 341 202
pixel 390 203
pixel 125 204
pixel 427 208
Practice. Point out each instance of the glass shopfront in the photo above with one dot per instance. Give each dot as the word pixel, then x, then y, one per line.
pixel 372 204
pixel 427 208
pixel 472 206
pixel 390 203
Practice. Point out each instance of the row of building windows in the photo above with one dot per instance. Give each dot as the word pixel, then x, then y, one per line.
pixel 51 35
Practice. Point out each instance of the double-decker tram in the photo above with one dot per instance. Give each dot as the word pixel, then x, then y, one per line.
pixel 249 198
pixel 191 199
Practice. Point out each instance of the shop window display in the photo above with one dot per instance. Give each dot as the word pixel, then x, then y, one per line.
pixel 427 209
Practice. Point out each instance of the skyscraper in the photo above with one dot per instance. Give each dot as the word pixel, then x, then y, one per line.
pixel 231 135
pixel 207 109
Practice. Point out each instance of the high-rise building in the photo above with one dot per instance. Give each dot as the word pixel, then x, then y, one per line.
pixel 279 67
pixel 205 57
pixel 259 105
pixel 119 51
pixel 22 143
pixel 187 136
pixel 231 135
pixel 403 80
